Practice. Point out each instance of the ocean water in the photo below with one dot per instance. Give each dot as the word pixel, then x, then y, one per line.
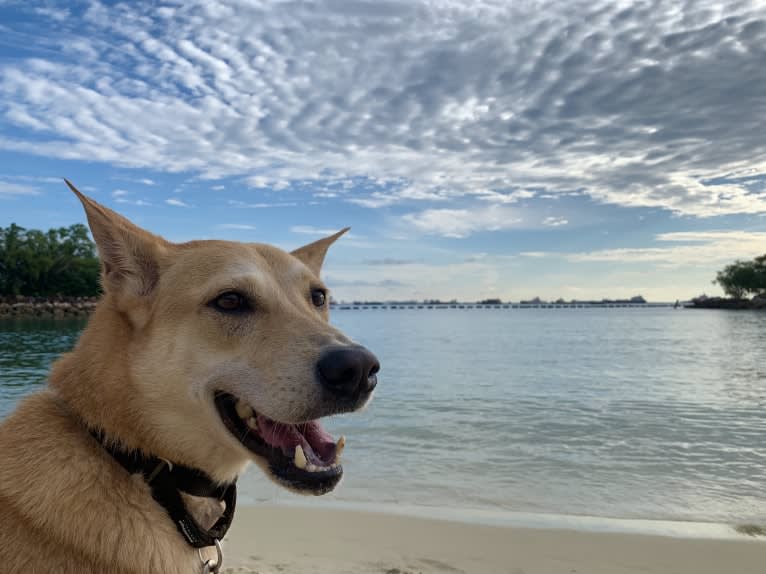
pixel 624 413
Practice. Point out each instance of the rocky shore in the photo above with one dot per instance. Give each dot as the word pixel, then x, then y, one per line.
pixel 46 307
pixel 757 303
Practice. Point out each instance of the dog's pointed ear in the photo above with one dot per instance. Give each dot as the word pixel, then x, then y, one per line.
pixel 130 256
pixel 312 255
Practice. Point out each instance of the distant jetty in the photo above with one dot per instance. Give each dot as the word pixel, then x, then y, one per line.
pixel 496 304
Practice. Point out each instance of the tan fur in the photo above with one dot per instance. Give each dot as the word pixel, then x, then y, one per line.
pixel 144 371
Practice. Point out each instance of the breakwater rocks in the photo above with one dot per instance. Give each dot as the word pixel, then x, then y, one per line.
pixel 58 307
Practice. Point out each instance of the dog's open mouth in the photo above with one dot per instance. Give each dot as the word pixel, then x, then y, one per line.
pixel 302 456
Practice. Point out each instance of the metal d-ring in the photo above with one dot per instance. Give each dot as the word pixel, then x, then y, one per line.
pixel 157 469
pixel 212 566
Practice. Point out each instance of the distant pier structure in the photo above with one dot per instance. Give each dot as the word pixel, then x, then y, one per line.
pixel 634 303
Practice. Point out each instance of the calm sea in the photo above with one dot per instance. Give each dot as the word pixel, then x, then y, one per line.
pixel 626 413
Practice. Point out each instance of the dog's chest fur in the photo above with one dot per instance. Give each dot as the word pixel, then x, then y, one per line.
pixel 66 507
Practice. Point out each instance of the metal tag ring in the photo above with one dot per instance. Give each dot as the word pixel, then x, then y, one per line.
pixel 212 566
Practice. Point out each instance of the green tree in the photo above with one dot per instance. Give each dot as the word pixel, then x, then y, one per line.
pixel 743 278
pixel 56 262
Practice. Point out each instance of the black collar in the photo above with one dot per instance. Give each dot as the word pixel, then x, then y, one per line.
pixel 167 480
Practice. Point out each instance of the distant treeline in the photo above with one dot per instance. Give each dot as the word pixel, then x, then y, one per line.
pixel 744 278
pixel 47 263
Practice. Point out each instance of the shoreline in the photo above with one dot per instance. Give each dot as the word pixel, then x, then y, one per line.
pixel 267 539
pixel 664 527
pixel 59 307
pixel 728 304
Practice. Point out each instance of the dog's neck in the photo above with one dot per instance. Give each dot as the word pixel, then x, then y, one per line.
pixel 93 370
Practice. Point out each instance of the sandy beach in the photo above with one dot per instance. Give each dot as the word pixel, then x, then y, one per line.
pixel 297 540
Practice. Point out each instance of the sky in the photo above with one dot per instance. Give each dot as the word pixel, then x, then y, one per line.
pixel 576 149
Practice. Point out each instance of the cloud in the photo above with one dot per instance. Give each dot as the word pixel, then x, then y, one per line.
pixel 267 182
pixel 246 205
pixel 475 258
pixel 120 193
pixel 136 202
pixel 140 180
pixel 388 261
pixel 651 104
pixel 537 254
pixel 32 179
pixel 462 222
pixel 686 249
pixel 365 283
pixel 376 199
pixel 238 226
pixel 401 193
pixel 8 189
pixel 483 275
pixel 554 221
pixel 176 202
pixel 310 230
pixel 746 237
pixel 59 15
pixel 512 197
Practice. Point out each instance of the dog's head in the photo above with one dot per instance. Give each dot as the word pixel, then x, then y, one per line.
pixel 229 351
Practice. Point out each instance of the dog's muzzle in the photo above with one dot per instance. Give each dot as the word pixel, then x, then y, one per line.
pixel 303 455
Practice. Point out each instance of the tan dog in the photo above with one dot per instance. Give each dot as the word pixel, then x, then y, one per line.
pixel 200 358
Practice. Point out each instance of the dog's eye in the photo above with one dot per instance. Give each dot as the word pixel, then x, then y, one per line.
pixel 230 302
pixel 318 297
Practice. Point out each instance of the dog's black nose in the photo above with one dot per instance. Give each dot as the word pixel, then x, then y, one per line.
pixel 348 371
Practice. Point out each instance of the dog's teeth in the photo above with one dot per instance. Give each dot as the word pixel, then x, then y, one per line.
pixel 312 468
pixel 339 447
pixel 244 411
pixel 252 422
pixel 300 457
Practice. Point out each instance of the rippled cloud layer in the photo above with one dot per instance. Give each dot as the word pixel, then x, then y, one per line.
pixel 419 104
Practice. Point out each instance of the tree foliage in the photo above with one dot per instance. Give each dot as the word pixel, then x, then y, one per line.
pixel 44 263
pixel 743 278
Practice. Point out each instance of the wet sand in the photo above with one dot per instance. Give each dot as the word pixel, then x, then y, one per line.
pixel 275 539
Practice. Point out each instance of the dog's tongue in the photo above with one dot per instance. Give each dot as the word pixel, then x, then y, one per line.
pixel 318 445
